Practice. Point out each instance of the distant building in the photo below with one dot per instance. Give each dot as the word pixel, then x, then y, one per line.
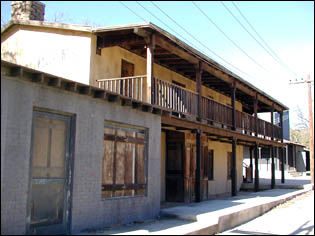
pixel 286 123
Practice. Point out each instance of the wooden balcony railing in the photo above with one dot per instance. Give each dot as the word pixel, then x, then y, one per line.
pixel 174 97
pixel 168 95
pixel 133 87
pixel 217 112
pixel 245 121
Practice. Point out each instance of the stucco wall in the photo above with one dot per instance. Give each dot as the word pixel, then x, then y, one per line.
pixel 72 54
pixel 220 184
pixel 88 209
pixel 108 65
pixel 59 52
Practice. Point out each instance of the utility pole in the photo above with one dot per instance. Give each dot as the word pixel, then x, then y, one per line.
pixel 310 112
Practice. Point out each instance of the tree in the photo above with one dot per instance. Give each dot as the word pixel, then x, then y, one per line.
pixel 300 133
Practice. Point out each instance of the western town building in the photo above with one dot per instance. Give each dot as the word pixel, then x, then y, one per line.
pixel 102 125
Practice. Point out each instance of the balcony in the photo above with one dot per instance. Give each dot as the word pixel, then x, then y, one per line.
pixel 184 102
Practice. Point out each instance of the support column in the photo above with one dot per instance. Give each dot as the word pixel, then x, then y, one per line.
pixel 234 172
pixel 150 45
pixel 256 168
pixel 272 121
pixel 198 166
pixel 273 179
pixel 282 164
pixel 251 163
pixel 233 93
pixel 255 114
pixel 199 90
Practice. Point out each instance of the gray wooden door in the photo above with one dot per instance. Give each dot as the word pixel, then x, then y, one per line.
pixel 49 194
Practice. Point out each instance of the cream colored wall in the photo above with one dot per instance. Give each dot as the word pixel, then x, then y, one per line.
pixel 108 65
pixel 163 165
pixel 220 184
pixel 59 52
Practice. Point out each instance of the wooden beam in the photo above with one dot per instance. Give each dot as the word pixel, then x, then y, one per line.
pixel 176 50
pixel 150 44
pixel 212 130
pixel 256 185
pixel 142 32
pixel 199 90
pixel 283 154
pixel 198 167
pixel 273 174
pixel 217 73
pixel 233 92
pixel 255 114
pixel 234 172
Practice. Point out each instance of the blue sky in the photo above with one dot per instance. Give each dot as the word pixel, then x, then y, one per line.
pixel 286 26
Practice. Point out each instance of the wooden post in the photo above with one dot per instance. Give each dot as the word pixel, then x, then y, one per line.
pixel 310 119
pixel 256 168
pixel 198 166
pixel 251 163
pixel 273 180
pixel 234 172
pixel 199 90
pixel 272 123
pixel 282 165
pixel 233 92
pixel 255 113
pixel 150 45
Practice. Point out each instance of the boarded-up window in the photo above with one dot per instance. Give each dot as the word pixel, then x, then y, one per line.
pixel 229 165
pixel 124 161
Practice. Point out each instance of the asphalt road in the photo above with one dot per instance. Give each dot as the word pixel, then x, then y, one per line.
pixel 294 217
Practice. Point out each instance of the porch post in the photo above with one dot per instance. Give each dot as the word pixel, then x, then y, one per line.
pixel 199 90
pixel 234 173
pixel 150 45
pixel 255 113
pixel 272 123
pixel 233 91
pixel 256 168
pixel 198 166
pixel 273 180
pixel 282 164
pixel 251 162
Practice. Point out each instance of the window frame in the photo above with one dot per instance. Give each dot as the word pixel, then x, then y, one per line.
pixel 133 186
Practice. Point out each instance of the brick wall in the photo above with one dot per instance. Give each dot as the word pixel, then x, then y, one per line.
pixel 88 209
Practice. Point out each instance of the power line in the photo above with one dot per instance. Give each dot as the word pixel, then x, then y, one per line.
pixel 181 35
pixel 198 40
pixel 167 25
pixel 280 61
pixel 133 11
pixel 229 38
pixel 248 31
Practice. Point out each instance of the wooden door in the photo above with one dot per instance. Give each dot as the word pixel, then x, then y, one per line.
pixel 174 173
pixel 127 70
pixel 49 194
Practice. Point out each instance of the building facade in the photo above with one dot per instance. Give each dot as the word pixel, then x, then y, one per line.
pixel 172 128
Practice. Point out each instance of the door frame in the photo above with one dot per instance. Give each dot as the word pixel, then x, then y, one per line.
pixel 69 165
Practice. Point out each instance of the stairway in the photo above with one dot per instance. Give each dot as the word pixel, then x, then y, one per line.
pixel 292 171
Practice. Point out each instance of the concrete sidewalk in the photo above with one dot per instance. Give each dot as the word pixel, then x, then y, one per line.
pixel 209 217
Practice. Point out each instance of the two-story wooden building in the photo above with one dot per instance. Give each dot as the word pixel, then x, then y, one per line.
pixel 208 114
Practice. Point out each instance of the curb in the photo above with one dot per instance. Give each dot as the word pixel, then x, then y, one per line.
pixel 232 220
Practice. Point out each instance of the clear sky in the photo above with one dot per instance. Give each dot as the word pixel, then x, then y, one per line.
pixel 286 26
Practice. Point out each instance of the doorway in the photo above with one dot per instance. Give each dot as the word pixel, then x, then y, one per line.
pixel 174 191
pixel 49 196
